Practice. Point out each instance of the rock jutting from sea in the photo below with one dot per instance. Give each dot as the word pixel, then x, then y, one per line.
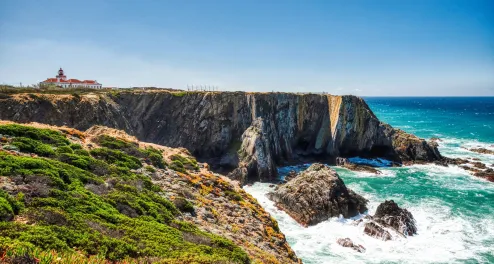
pixel 247 134
pixel 317 194
pixel 390 219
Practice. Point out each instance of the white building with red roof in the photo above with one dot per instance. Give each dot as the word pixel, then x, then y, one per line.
pixel 62 81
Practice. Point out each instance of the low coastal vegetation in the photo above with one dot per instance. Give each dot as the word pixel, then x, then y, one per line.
pixel 60 201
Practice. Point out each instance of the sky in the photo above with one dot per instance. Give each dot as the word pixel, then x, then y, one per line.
pixel 367 48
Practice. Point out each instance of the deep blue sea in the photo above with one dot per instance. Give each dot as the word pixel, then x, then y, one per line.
pixel 454 210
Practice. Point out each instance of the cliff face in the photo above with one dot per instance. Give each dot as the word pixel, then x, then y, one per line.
pixel 266 129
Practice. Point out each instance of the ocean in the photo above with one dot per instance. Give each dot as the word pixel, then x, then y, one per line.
pixel 454 210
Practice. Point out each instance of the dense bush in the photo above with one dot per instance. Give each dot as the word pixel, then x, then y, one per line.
pixel 188 163
pixel 178 166
pixel 33 146
pixel 46 136
pixel 116 157
pixel 92 203
pixel 151 155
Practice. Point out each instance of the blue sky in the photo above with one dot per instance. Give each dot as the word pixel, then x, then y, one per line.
pixel 374 48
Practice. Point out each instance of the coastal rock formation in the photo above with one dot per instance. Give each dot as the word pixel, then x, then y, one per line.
pixel 255 154
pixel 317 194
pixel 389 216
pixel 375 230
pixel 267 129
pixel 347 242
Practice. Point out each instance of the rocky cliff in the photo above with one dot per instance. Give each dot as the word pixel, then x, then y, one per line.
pixel 249 133
pixel 102 196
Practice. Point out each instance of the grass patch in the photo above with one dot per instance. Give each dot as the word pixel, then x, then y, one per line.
pixel 184 162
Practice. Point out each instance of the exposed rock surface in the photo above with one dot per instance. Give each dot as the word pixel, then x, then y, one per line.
pixel 347 242
pixel 482 151
pixel 255 154
pixel 266 128
pixel 375 230
pixel 345 163
pixel 389 216
pixel 317 194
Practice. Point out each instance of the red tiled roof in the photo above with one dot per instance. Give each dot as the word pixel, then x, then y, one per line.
pixel 54 80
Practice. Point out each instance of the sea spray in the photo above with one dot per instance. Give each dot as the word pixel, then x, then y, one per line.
pixel 453 224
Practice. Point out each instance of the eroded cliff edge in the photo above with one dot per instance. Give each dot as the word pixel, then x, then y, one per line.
pixel 249 133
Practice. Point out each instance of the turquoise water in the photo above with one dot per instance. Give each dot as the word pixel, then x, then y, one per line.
pixel 454 210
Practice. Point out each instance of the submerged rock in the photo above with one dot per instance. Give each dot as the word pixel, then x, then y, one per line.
pixel 347 242
pixel 317 194
pixel 487 174
pixel 482 150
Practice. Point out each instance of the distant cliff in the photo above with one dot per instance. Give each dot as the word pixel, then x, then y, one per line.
pixel 249 132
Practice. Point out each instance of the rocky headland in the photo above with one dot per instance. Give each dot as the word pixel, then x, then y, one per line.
pixel 247 134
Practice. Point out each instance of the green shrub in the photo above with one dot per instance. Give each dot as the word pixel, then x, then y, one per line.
pixel 64 149
pixel 179 94
pixel 234 195
pixel 155 157
pixel 75 146
pixel 178 166
pixel 116 157
pixel 188 163
pixel 6 212
pixel 114 143
pixel 33 146
pixel 46 136
pixel 183 205
pixel 150 169
pixel 81 152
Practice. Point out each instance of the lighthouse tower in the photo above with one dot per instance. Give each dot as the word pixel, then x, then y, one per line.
pixel 61 76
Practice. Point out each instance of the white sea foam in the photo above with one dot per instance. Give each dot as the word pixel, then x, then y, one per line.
pixel 446 234
pixel 443 237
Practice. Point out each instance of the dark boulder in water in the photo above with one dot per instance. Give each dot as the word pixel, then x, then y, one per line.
pixel 390 216
pixel 375 230
pixel 347 242
pixel 317 194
